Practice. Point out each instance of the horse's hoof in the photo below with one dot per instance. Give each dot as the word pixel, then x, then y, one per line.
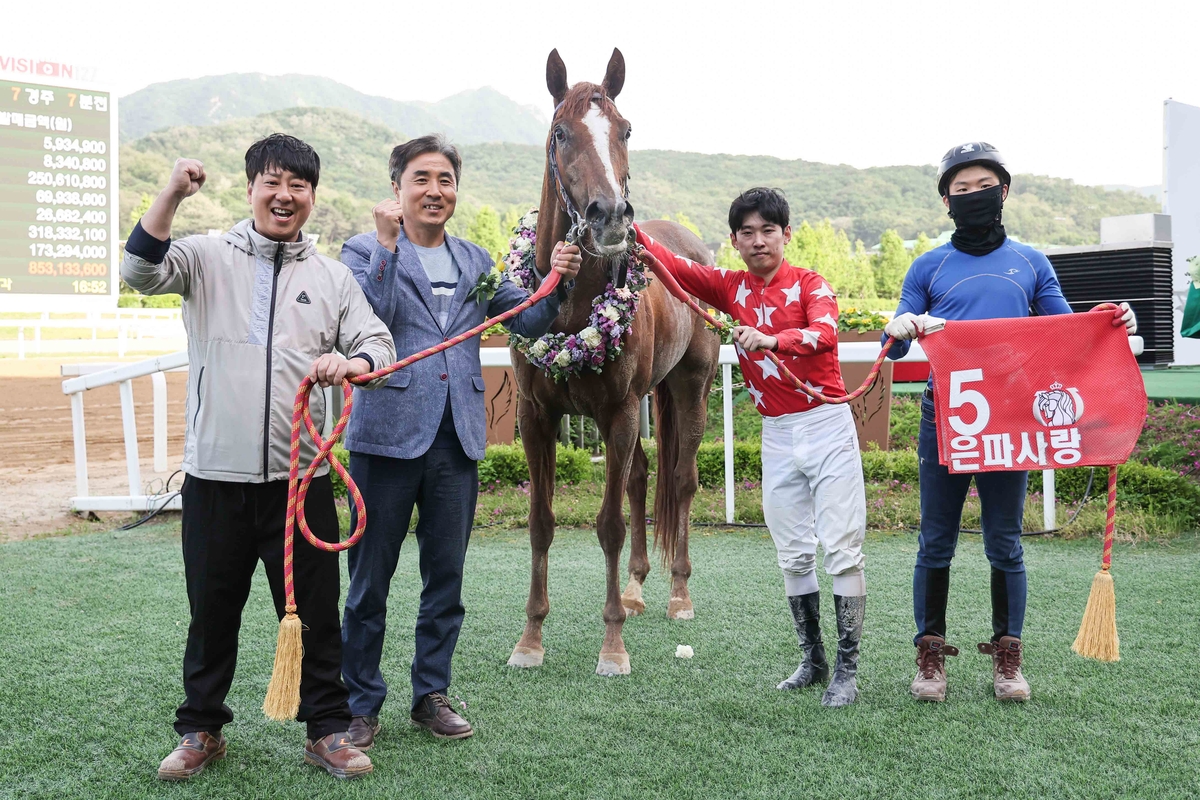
pixel 526 657
pixel 680 608
pixel 634 606
pixel 611 664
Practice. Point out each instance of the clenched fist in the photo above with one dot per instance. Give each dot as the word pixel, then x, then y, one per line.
pixel 388 216
pixel 186 178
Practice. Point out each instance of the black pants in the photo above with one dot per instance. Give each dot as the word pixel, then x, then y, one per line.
pixel 444 485
pixel 227 529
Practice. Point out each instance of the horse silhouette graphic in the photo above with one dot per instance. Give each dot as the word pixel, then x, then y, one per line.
pixel 1058 406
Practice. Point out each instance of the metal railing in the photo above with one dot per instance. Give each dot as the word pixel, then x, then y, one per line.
pixel 126 325
pixel 91 376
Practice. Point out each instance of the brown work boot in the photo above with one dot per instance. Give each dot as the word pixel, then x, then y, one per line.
pixel 1007 679
pixel 435 714
pixel 338 756
pixel 363 731
pixel 192 755
pixel 930 683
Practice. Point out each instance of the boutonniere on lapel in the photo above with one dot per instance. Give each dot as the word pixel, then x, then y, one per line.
pixel 485 288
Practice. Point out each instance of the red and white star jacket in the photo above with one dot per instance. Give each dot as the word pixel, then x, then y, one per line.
pixel 797 307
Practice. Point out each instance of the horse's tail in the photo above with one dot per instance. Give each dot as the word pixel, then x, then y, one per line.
pixel 666 494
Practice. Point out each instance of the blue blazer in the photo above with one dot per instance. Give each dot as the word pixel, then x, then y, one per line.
pixel 401 419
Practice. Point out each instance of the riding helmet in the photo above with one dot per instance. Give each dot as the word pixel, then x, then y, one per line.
pixel 964 155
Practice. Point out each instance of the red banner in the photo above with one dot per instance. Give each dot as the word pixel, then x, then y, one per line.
pixel 1035 393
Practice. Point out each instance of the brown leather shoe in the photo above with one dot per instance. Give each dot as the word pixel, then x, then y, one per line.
pixel 338 756
pixel 435 714
pixel 930 682
pixel 191 756
pixel 363 731
pixel 1007 680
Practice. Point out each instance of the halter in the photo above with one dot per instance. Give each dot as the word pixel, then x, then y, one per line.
pixel 578 223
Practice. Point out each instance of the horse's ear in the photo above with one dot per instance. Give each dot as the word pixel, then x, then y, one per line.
pixel 556 76
pixel 614 76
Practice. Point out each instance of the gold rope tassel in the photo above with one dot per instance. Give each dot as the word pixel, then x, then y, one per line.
pixel 1098 632
pixel 283 693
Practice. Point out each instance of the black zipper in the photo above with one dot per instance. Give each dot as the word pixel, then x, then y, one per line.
pixel 199 398
pixel 270 340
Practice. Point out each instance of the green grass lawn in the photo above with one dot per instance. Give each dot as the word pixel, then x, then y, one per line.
pixel 93 627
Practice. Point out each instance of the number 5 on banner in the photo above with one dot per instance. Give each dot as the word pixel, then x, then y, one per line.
pixel 960 397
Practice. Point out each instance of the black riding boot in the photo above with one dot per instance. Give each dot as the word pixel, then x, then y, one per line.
pixel 843 689
pixel 806 613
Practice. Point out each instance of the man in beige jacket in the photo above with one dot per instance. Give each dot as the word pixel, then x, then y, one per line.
pixel 262 309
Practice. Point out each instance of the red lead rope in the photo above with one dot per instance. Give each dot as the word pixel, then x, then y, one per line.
pixel 298 486
pixel 649 259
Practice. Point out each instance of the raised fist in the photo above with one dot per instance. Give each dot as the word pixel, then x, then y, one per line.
pixel 186 178
pixel 388 216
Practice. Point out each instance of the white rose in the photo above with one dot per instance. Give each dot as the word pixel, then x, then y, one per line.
pixel 530 219
pixel 611 313
pixel 624 294
pixel 590 336
pixel 563 358
pixel 522 244
pixel 516 280
pixel 539 348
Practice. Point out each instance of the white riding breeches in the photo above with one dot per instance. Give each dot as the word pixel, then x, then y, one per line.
pixel 813 492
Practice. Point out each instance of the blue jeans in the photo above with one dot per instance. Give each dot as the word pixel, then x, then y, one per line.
pixel 444 485
pixel 1002 497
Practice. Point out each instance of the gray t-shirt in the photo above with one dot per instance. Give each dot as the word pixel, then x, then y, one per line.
pixel 443 275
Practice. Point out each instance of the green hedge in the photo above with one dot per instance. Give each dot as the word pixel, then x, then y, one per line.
pixel 503 464
pixel 149 301
pixel 1153 489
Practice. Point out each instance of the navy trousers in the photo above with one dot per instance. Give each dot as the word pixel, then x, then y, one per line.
pixel 1002 498
pixel 443 485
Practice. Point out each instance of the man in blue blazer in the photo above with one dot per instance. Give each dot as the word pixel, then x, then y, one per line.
pixel 417 440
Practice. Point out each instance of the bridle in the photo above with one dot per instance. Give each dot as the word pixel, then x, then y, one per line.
pixel 578 224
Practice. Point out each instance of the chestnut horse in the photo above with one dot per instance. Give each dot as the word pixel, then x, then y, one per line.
pixel 667 349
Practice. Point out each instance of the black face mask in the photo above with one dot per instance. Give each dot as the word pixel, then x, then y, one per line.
pixel 978 230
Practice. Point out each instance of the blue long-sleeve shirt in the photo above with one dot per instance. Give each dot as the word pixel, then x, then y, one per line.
pixel 1007 282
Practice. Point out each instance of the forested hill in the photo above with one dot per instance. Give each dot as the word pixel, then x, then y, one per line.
pixel 478 115
pixel 354 152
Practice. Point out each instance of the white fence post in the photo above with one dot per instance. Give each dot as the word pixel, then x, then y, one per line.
pixel 159 381
pixel 727 413
pixel 644 416
pixel 37 339
pixel 120 341
pixel 129 424
pixel 81 472
pixel 20 342
pixel 1048 515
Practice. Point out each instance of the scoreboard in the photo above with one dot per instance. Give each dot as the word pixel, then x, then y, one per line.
pixel 58 197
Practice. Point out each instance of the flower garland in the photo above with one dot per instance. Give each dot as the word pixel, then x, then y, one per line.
pixel 562 355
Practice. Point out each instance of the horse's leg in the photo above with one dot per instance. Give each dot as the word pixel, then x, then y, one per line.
pixel 620 431
pixel 689 393
pixel 538 438
pixel 639 562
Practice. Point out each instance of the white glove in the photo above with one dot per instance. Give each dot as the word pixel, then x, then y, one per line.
pixel 1128 318
pixel 905 327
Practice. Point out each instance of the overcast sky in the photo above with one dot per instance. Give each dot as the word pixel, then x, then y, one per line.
pixel 1071 89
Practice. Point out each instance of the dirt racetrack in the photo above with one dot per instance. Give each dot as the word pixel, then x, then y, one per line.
pixel 37 471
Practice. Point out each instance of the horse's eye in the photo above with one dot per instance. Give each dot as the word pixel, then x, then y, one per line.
pixel 559 134
pixel 628 133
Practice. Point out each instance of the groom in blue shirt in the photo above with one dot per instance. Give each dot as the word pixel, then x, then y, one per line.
pixel 979 274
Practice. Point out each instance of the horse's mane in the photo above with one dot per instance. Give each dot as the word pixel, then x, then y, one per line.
pixel 580 96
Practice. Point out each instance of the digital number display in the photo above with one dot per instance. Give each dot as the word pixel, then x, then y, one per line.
pixel 58 199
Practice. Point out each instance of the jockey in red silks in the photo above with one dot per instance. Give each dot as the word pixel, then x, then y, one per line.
pixel 812 473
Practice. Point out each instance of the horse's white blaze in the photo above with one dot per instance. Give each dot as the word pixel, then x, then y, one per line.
pixel 599 127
